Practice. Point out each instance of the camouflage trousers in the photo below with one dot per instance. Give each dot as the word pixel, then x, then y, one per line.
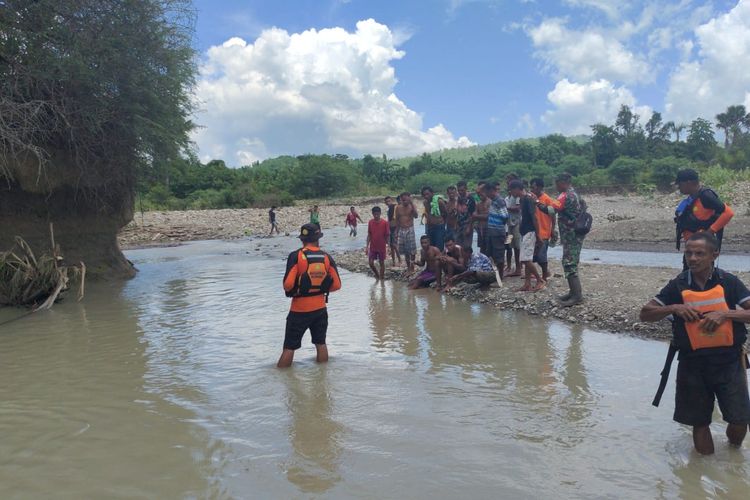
pixel 572 244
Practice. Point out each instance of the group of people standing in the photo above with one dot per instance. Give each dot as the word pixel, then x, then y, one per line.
pixel 513 233
pixel 708 306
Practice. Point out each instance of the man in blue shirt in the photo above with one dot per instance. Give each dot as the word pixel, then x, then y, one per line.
pixel 497 219
pixel 479 269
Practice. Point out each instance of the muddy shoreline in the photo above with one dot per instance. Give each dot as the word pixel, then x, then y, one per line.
pixel 614 295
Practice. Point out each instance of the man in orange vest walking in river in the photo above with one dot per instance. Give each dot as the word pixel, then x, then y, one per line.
pixel 310 276
pixel 710 308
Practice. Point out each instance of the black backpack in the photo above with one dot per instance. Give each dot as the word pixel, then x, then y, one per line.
pixel 583 222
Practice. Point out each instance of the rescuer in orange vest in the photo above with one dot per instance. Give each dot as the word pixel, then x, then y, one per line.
pixel 310 276
pixel 702 210
pixel 710 308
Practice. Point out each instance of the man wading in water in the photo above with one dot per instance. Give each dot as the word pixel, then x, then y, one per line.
pixel 710 307
pixel 310 276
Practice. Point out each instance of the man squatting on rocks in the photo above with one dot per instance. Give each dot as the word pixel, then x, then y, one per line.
pixel 702 210
pixel 310 276
pixel 378 234
pixel 430 258
pixel 710 308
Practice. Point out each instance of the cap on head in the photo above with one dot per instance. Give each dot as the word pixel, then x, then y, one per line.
pixel 515 184
pixel 309 233
pixel 687 175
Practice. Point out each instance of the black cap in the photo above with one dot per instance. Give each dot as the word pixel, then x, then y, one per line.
pixel 687 175
pixel 310 232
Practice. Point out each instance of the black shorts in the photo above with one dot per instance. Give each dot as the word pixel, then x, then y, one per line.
pixel 699 382
pixel 297 323
pixel 495 245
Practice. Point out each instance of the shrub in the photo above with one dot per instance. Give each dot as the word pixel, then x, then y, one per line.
pixel 437 181
pixel 664 170
pixel 624 169
pixel 277 199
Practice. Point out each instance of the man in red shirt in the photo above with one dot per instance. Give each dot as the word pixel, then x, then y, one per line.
pixel 378 233
pixel 351 221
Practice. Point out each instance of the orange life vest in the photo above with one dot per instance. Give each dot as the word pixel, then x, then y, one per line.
pixel 313 274
pixel 705 302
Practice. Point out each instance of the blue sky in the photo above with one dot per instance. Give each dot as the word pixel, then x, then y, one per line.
pixel 402 77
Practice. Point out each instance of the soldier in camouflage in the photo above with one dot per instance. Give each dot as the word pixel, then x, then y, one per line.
pixel 567 213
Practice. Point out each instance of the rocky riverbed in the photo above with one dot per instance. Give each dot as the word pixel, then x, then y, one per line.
pixel 614 294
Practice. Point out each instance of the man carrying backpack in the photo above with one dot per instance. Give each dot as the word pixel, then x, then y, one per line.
pixel 702 210
pixel 568 212
pixel 310 276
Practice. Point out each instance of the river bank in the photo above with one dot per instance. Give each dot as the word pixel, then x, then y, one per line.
pixel 614 294
pixel 623 222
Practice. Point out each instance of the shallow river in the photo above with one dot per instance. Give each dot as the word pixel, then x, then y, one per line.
pixel 165 387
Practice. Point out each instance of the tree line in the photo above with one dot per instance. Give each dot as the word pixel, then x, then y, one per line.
pixel 628 154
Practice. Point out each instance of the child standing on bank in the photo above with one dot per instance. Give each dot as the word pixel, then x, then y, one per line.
pixel 378 234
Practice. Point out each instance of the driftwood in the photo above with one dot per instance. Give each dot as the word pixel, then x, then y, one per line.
pixel 26 280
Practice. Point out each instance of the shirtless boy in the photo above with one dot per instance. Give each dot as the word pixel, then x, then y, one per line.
pixel 405 213
pixel 452 262
pixel 430 258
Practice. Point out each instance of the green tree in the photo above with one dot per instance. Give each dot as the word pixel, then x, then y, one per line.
pixel 731 122
pixel 664 170
pixel 624 169
pixel 91 93
pixel 701 144
pixel 604 144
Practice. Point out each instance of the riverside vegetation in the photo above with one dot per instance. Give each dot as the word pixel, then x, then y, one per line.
pixel 624 156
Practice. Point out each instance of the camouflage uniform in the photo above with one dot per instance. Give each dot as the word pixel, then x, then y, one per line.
pixel 571 242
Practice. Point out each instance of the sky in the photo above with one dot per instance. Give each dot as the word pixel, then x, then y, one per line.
pixel 404 77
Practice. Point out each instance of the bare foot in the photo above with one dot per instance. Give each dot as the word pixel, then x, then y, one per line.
pixel 525 288
pixel 540 285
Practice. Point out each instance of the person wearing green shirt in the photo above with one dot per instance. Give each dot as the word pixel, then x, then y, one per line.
pixel 315 216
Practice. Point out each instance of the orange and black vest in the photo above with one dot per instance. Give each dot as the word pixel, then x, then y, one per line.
pixel 313 274
pixel 708 301
pixel 696 217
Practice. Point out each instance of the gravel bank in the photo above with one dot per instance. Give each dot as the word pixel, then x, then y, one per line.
pixel 614 295
pixel 620 222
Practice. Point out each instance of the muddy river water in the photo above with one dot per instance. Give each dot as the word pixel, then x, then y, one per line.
pixel 165 387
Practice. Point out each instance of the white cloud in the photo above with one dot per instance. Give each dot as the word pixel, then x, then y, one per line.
pixel 525 123
pixel 315 91
pixel 610 7
pixel 587 55
pixel 718 76
pixel 580 105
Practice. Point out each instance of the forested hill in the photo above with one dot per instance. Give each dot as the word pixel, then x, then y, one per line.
pixel 476 152
pixel 627 154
